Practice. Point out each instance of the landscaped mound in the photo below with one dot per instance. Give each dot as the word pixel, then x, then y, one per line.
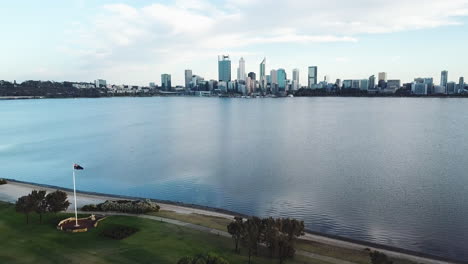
pixel 84 224
pixel 123 206
pixel 119 232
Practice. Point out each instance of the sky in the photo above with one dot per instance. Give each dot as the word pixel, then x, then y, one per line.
pixel 134 42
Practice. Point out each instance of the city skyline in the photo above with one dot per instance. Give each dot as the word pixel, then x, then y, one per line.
pixel 135 42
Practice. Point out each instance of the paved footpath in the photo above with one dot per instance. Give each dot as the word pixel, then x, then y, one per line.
pixel 13 190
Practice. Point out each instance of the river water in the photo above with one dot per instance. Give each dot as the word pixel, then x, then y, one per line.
pixel 385 170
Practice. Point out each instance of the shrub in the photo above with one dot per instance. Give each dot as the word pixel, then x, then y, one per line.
pixel 3 181
pixel 90 208
pixel 119 232
pixel 124 206
pixel 378 257
pixel 209 258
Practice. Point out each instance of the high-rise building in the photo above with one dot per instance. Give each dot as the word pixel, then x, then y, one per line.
pixel 393 85
pixel 429 82
pixel 364 84
pixel 347 84
pixel 252 76
pixel 166 82
pixel 383 76
pixel 100 83
pixel 282 79
pixel 295 79
pixel 312 76
pixel 249 86
pixel 461 84
pixel 450 87
pixel 338 83
pixel 241 70
pixel 382 82
pixel 419 88
pixel 371 82
pixel 224 68
pixel 274 76
pixel 274 81
pixel 263 80
pixel 444 78
pixel 188 78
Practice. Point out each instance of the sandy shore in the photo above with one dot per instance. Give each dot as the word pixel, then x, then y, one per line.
pixel 13 190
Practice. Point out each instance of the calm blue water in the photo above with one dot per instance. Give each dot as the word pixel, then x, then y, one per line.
pixel 386 170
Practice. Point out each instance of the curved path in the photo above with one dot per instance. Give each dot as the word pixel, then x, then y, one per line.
pixel 13 190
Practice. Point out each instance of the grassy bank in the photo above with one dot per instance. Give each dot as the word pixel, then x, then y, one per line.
pixel 155 242
pixel 219 223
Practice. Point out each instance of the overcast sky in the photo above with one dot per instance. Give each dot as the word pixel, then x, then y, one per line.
pixel 134 42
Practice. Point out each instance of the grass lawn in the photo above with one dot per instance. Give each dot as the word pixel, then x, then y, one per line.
pixel 219 223
pixel 156 242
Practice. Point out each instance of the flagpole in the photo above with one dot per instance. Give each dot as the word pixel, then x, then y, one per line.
pixel 74 192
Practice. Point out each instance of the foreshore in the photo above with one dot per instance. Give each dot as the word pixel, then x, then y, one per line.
pixel 14 189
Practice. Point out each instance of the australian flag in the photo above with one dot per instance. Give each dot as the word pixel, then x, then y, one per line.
pixel 77 167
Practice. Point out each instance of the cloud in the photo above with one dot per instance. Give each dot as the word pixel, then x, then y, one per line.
pixel 176 34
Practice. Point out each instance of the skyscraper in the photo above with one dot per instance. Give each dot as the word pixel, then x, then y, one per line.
pixel 461 84
pixel 252 76
pixel 224 68
pixel 282 79
pixel 166 82
pixel 372 82
pixel 241 70
pixel 274 77
pixel 444 78
pixel 382 83
pixel 383 76
pixel 312 76
pixel 295 79
pixel 262 79
pixel 188 78
pixel 364 84
pixel 274 81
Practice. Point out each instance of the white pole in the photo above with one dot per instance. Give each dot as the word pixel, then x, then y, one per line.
pixel 74 192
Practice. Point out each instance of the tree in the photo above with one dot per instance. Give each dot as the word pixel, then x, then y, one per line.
pixel 379 258
pixel 290 230
pixel 209 258
pixel 285 248
pixel 250 235
pixel 57 201
pixel 270 234
pixel 24 205
pixel 39 202
pixel 235 229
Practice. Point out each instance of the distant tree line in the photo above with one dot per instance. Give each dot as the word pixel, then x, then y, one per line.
pixel 42 203
pixel 401 92
pixel 48 89
pixel 278 235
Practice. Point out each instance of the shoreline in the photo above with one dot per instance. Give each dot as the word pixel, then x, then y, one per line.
pixel 12 98
pixel 87 197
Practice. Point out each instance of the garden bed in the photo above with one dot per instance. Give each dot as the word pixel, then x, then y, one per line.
pixel 84 224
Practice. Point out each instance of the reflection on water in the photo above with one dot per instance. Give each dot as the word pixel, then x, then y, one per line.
pixel 390 171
